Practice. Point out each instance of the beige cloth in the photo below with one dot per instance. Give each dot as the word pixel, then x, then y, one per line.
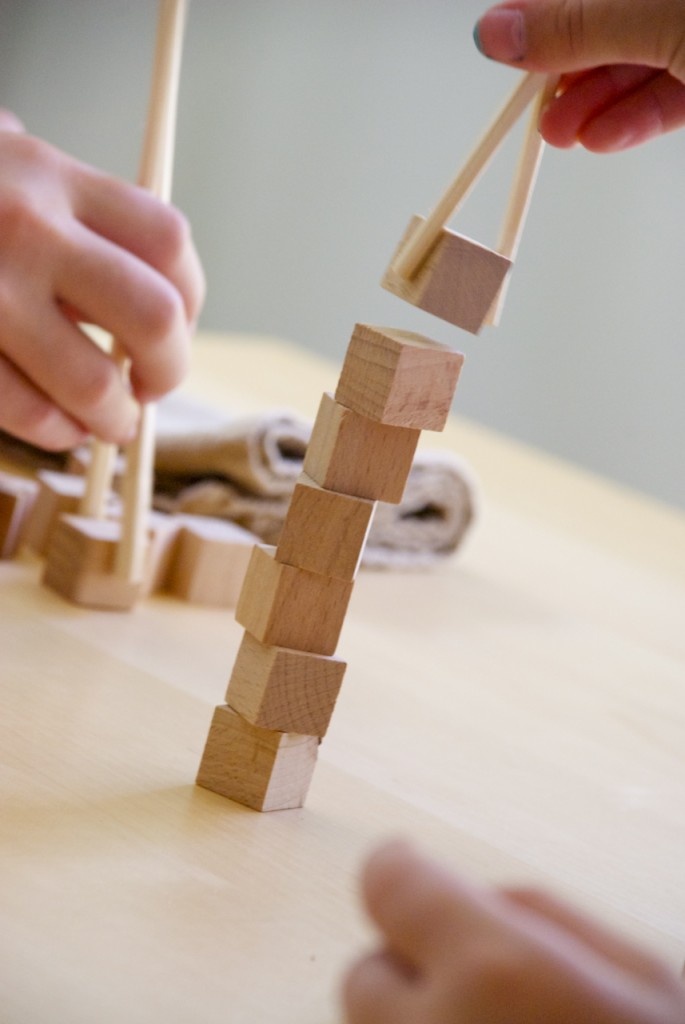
pixel 436 511
pixel 261 454
pixel 244 469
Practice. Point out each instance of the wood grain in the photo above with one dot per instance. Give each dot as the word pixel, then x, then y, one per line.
pixel 290 607
pixel 458 281
pixel 399 378
pixel 58 493
pixel 517 711
pixel 353 454
pixel 80 561
pixel 291 691
pixel 209 561
pixel 324 531
pixel 259 768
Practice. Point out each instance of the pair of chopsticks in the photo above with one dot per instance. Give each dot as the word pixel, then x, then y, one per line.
pixel 155 174
pixel 532 86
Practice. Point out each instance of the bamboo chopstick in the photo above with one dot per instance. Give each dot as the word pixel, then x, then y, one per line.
pixel 419 245
pixel 155 174
pixel 522 190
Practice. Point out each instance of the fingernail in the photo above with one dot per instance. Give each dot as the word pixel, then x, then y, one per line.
pixel 501 35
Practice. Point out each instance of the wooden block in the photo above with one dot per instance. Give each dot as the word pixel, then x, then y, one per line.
pixel 288 607
pixel 260 768
pixel 398 378
pixel 324 531
pixel 209 561
pixel 458 281
pixel 17 496
pixel 290 691
pixel 350 453
pixel 58 494
pixel 164 530
pixel 80 564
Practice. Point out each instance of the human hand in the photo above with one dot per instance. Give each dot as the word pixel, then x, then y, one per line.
pixel 453 953
pixel 76 246
pixel 622 64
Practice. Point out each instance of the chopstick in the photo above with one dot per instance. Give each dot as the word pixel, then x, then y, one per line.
pixel 522 189
pixel 422 241
pixel 155 174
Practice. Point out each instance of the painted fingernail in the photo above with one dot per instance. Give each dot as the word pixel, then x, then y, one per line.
pixel 501 35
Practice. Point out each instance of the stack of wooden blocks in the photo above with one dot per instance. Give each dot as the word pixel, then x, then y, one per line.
pixel 262 744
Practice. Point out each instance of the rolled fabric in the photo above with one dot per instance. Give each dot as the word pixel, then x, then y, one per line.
pixel 245 468
pixel 438 507
pixel 262 454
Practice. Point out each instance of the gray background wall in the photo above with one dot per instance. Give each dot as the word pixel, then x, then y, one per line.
pixel 310 130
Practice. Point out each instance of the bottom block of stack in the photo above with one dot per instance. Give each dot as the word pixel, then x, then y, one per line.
pixel 259 768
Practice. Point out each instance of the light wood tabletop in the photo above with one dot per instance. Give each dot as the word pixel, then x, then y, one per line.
pixel 517 710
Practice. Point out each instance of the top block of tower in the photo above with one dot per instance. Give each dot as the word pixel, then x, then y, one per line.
pixel 458 281
pixel 398 378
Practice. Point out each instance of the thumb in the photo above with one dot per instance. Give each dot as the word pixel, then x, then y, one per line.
pixel 9 122
pixel 573 35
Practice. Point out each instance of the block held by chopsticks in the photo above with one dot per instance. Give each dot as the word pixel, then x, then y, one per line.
pixel 452 276
pixel 458 281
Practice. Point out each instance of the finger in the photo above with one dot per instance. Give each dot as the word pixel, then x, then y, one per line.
pixel 652 110
pixel 132 301
pixel 563 35
pixel 587 96
pixel 423 912
pixel 28 414
pixel 376 990
pixel 135 220
pixel 65 365
pixel 9 122
pixel 591 934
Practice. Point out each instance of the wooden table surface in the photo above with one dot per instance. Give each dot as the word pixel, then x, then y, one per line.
pixel 518 711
